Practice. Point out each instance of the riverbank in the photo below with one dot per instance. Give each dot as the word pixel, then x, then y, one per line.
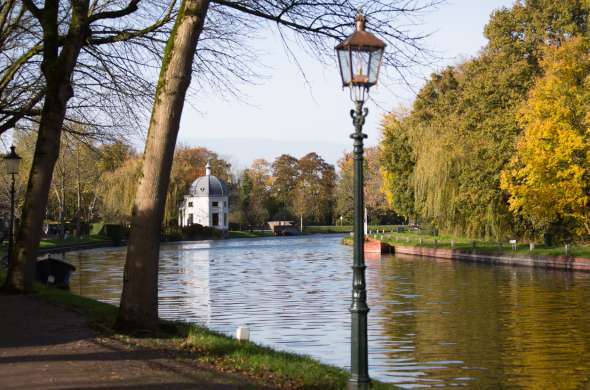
pixel 487 254
pixel 249 233
pixel 59 246
pixel 83 335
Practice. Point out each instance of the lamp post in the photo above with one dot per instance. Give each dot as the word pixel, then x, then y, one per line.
pixel 359 59
pixel 12 163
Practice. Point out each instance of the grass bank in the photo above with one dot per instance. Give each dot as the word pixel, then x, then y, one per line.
pixel 249 233
pixel 51 243
pixel 422 239
pixel 221 353
pixel 327 229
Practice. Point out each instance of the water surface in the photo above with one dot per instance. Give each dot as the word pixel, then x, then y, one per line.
pixel 433 323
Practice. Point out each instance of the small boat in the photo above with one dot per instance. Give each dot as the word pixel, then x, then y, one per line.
pixel 54 272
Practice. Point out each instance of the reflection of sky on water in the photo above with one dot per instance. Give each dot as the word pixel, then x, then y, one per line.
pixel 432 323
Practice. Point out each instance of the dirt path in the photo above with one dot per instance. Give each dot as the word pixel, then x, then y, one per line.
pixel 47 347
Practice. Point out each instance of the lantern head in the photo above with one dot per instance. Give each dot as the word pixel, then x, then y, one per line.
pixel 359 57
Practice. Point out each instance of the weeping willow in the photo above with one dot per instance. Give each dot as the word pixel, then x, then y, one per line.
pixel 117 191
pixel 434 186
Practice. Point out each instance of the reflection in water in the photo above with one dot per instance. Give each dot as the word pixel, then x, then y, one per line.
pixel 432 323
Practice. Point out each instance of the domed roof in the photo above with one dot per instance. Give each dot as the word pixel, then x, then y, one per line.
pixel 208 185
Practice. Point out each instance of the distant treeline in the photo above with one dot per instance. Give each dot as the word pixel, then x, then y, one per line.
pixel 97 181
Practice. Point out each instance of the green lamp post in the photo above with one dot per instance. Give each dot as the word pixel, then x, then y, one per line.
pixel 359 57
pixel 11 163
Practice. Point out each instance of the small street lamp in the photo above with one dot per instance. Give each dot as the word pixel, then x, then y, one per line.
pixel 12 163
pixel 359 57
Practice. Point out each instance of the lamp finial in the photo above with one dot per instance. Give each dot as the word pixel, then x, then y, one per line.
pixel 360 20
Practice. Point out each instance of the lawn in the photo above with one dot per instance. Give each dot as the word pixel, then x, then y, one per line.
pixel 445 241
pixel 249 233
pixel 49 243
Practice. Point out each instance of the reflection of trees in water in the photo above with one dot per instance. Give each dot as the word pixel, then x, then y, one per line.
pixel 99 273
pixel 546 343
pixel 513 327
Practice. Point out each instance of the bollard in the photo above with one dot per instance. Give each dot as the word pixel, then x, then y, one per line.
pixel 567 249
pixel 452 244
pixel 243 333
pixel 531 246
pixel 420 242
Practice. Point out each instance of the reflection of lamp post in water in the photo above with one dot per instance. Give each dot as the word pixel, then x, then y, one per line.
pixel 12 163
pixel 359 57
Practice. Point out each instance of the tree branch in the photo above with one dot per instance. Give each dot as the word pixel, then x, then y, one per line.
pixel 33 9
pixel 131 7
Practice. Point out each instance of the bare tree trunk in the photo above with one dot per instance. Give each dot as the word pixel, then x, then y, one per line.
pixel 139 300
pixel 78 191
pixel 22 268
pixel 57 67
pixel 62 207
pixel 91 207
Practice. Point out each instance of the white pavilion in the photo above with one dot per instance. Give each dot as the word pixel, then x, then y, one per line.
pixel 207 203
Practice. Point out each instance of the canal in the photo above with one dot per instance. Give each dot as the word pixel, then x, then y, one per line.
pixel 433 323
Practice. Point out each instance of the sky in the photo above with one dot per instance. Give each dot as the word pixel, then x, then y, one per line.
pixel 286 114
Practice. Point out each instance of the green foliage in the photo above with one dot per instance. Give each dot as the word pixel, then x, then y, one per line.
pixel 397 167
pixel 445 157
pixel 313 197
pixel 378 209
pixel 253 196
pixel 287 189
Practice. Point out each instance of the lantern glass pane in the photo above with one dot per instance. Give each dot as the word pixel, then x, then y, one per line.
pixel 344 61
pixel 374 66
pixel 11 165
pixel 360 66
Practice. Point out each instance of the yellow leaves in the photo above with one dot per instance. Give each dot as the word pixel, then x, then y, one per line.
pixel 547 179
pixel 387 185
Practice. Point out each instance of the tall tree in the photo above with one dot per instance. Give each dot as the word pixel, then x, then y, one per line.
pixel 317 23
pixel 285 175
pixel 397 167
pixel 139 300
pixel 378 209
pixel 549 178
pixel 315 189
pixel 60 52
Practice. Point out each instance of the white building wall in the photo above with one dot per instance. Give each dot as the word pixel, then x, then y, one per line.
pixel 202 211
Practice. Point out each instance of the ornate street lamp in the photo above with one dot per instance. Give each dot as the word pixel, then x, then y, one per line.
pixel 359 56
pixel 11 163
